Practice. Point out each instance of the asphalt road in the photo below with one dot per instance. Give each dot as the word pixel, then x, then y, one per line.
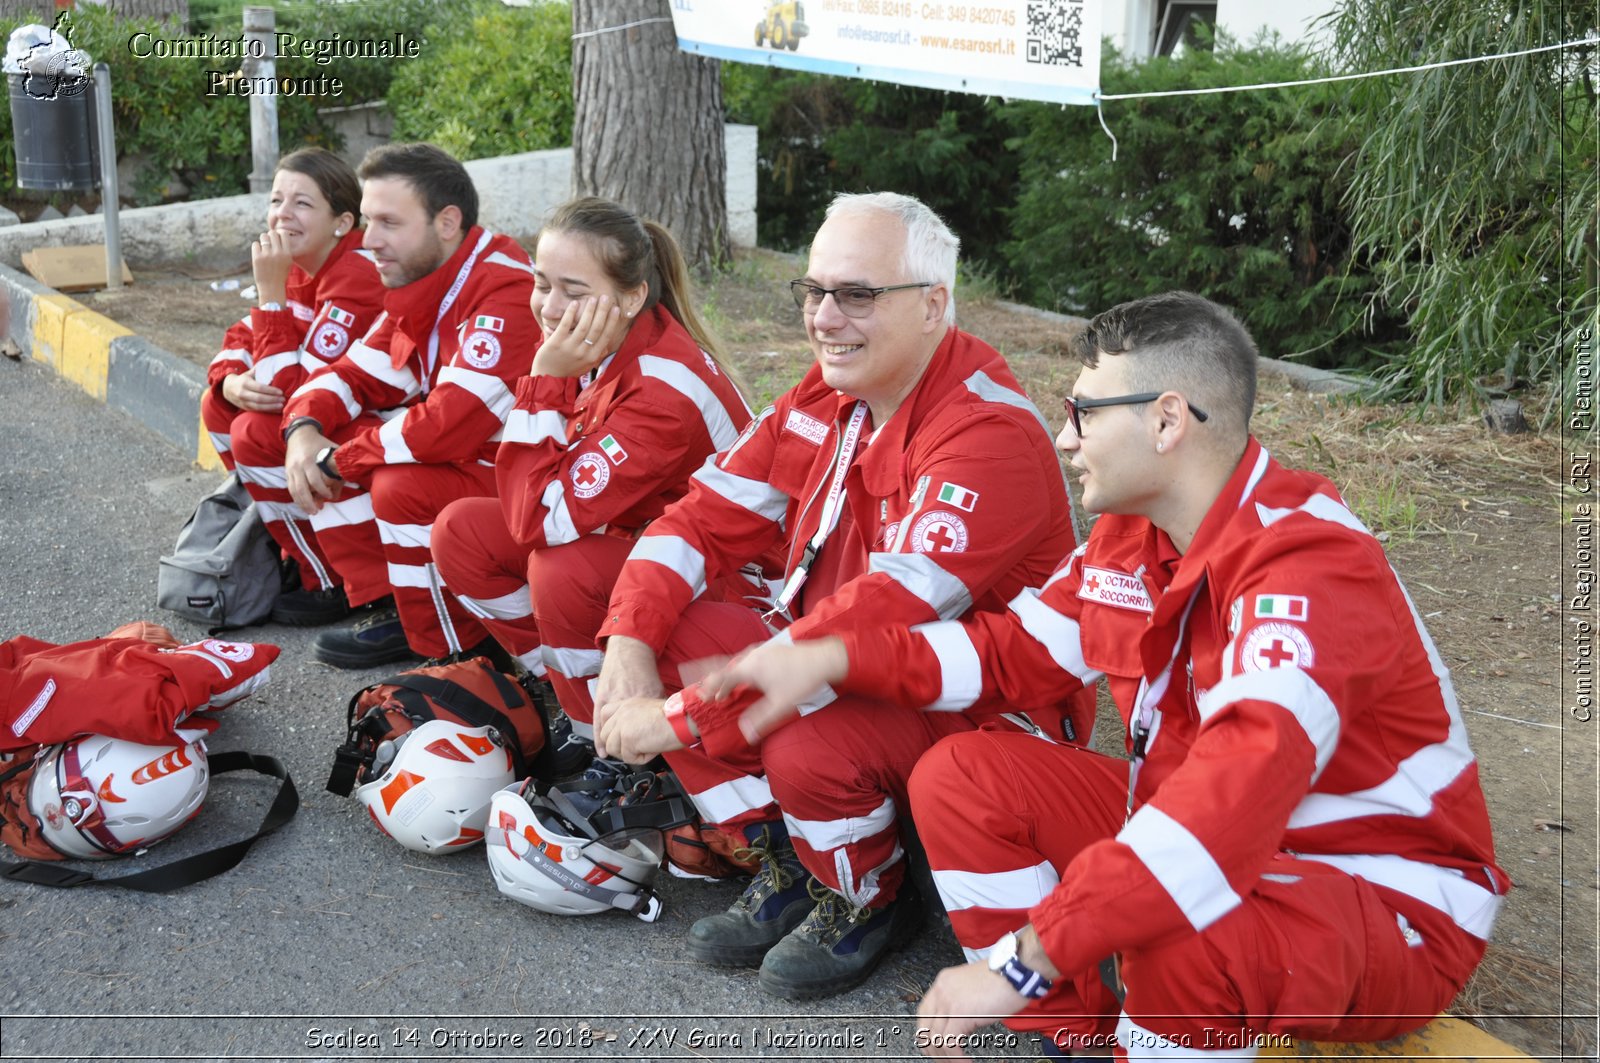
pixel 329 941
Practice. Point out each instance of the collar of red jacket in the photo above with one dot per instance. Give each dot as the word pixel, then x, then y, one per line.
pixel 645 335
pixel 1253 467
pixel 415 307
pixel 958 356
pixel 302 286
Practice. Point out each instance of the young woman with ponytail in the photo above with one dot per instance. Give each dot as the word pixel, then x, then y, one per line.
pixel 625 401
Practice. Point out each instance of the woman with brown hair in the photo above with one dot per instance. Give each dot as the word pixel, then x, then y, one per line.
pixel 316 293
pixel 626 400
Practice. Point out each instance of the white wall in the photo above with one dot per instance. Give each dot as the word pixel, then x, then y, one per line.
pixel 1134 21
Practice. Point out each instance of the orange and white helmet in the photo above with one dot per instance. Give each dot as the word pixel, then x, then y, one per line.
pixel 431 785
pixel 554 860
pixel 97 797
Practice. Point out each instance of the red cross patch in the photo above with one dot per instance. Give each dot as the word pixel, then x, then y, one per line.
pixel 939 532
pixel 237 652
pixel 590 474
pixel 330 340
pixel 481 349
pixel 1275 645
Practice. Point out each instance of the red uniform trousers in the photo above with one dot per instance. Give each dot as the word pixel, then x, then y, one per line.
pixel 377 541
pixel 1312 952
pixel 258 449
pixel 838 775
pixel 218 416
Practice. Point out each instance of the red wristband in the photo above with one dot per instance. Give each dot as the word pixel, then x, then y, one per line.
pixel 678 719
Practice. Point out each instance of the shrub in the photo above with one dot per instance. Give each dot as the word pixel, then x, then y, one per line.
pixel 1236 196
pixel 497 83
pixel 824 135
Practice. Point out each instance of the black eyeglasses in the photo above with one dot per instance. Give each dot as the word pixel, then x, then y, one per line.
pixel 1075 407
pixel 852 301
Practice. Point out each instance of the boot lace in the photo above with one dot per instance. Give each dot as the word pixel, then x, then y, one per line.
pixel 774 876
pixel 833 917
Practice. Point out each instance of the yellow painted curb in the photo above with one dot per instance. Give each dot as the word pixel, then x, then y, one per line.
pixel 50 314
pixel 205 454
pixel 1444 1038
pixel 85 357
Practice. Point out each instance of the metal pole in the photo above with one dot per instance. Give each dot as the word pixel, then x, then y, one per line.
pixel 261 40
pixel 109 193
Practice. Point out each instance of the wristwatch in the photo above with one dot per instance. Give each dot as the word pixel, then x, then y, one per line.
pixel 325 462
pixel 1024 979
pixel 271 307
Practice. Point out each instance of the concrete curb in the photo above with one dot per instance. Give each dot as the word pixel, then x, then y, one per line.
pixel 126 372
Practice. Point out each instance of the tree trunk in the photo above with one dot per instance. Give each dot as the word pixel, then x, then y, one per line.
pixel 647 128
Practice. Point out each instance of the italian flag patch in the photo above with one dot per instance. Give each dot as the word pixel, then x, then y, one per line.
pixel 343 317
pixel 613 450
pixel 1281 606
pixel 958 496
pixel 490 324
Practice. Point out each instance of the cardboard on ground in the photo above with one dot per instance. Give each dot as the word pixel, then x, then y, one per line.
pixel 80 268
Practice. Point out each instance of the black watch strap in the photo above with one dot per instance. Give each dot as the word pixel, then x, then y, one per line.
pixel 298 423
pixel 323 460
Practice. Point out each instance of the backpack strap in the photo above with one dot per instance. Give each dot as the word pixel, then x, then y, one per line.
pixel 196 867
pixel 467 705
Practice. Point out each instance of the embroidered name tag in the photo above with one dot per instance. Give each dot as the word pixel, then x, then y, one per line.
pixel 1109 587
pixel 806 427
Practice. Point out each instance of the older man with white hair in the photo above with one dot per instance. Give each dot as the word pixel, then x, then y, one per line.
pixel 906 478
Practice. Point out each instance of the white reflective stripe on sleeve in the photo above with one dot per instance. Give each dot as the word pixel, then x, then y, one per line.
pixel 500 258
pixel 269 366
pixel 410 576
pixel 264 475
pixel 237 355
pixel 488 388
pixel 825 834
pixel 675 553
pixel 412 535
pixel 513 606
pixel 1290 689
pixel 1140 1043
pixel 683 380
pixel 1183 866
pixel 1058 634
pixel 531 429
pixel 960 671
pixel 345 513
pixel 1320 506
pixel 747 793
pixel 376 364
pixel 395 449
pixel 572 662
pixel 1021 888
pixel 334 384
pixel 757 496
pixel 924 577
pixel 558 526
pixel 1468 904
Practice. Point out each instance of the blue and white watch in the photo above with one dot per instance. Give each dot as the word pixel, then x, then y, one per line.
pixel 1024 979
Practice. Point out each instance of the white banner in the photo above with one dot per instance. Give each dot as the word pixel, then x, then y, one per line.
pixel 1020 49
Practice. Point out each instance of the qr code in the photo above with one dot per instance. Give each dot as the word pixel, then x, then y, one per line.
pixel 1053 30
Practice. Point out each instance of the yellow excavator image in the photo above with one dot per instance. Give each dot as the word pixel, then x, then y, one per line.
pixel 783 25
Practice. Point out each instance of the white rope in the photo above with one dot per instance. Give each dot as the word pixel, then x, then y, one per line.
pixel 614 29
pixel 1344 77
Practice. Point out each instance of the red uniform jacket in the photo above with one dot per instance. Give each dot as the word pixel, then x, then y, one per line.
pixel 614 454
pixel 1291 702
pixel 438 365
pixel 281 348
pixel 955 505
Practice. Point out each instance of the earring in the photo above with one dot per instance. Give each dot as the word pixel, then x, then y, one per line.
pixel 338 232
pixel 1160 447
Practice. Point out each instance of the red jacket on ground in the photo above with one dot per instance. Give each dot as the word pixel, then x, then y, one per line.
pixel 1294 703
pixel 438 365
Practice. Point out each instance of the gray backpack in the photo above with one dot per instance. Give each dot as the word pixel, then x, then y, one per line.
pixel 224 572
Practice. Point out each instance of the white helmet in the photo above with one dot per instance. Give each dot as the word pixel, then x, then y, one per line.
pixel 431 786
pixel 553 861
pixel 97 797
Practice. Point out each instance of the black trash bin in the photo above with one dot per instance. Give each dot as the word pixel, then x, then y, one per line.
pixel 52 121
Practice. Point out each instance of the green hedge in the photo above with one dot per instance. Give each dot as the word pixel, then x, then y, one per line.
pixel 1236 196
pixel 495 84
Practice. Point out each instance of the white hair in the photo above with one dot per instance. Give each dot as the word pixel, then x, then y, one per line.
pixel 931 248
